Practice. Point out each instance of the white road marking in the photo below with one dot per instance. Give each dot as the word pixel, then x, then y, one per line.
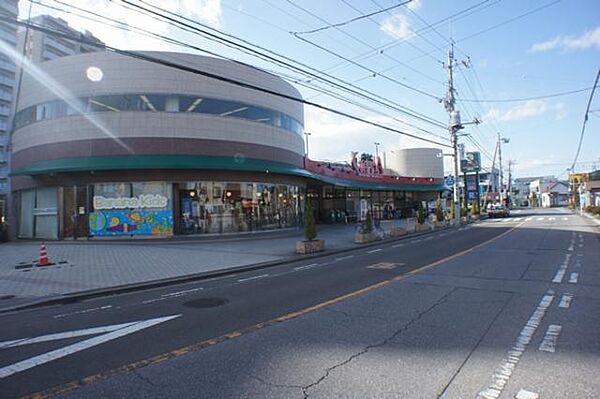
pixel 539 219
pixel 580 236
pixel 252 278
pixel 551 219
pixel 442 234
pixel 565 219
pixel 524 394
pixel 418 240
pixel 549 342
pixel 573 278
pixel 562 269
pixel 508 364
pixel 184 292
pixel 344 258
pixel 580 245
pixel 397 245
pixel 565 301
pixel 115 331
pixel 518 219
pixel 528 219
pixel 306 266
pixel 559 276
pixel 374 250
pixel 429 238
pixel 59 316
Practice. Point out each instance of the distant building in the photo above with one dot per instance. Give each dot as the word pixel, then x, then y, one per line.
pixel 549 192
pixel 42 46
pixel 8 36
pixel 590 189
pixel 520 191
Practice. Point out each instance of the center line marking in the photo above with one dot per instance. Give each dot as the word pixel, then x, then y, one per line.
pixel 509 362
pixel 549 342
pixel 573 278
pixel 565 301
pixel 374 250
pixel 252 278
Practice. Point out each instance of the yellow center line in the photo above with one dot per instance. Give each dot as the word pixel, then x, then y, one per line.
pixel 62 389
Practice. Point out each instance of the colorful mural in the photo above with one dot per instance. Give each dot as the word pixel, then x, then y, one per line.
pixel 131 222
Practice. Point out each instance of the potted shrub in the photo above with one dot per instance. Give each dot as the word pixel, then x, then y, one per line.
pixel 439 215
pixel 365 233
pixel 421 226
pixel 310 244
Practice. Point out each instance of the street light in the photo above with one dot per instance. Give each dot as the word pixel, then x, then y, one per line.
pixel 377 148
pixel 307 134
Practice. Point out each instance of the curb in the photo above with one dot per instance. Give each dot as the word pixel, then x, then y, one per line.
pixel 135 287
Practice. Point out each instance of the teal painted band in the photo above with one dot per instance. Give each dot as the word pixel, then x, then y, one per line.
pixel 132 162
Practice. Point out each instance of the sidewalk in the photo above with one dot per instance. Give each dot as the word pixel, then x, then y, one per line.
pixel 105 266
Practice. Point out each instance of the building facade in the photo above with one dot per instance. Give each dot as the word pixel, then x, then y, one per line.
pixel 136 148
pixel 42 46
pixel 8 38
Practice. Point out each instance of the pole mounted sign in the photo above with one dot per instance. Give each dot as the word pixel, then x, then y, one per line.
pixel 471 163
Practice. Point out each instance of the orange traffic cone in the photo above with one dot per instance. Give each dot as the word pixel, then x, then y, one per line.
pixel 43 261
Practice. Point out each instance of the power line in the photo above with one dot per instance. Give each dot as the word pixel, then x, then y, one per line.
pixel 349 60
pixel 337 25
pixel 183 44
pixel 195 71
pixel 509 100
pixel 172 19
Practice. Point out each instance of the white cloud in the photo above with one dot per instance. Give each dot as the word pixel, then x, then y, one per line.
pixel 587 40
pixel 415 5
pixel 397 26
pixel 207 11
pixel 525 110
pixel 561 111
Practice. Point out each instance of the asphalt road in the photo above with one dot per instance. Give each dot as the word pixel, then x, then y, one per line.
pixel 503 308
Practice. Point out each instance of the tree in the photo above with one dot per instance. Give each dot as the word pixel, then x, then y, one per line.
pixel 310 230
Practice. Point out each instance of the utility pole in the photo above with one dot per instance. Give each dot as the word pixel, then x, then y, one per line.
pixel 453 127
pixel 509 195
pixel 500 141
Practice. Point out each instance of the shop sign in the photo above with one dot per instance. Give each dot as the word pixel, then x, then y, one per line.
pixel 472 163
pixel 143 201
pixel 367 166
pixel 130 222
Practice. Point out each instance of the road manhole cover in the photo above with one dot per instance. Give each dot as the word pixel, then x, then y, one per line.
pixel 206 303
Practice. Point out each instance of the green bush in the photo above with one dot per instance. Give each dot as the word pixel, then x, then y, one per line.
pixel 367 226
pixel 439 213
pixel 464 212
pixel 3 232
pixel 421 213
pixel 310 230
pixel 594 210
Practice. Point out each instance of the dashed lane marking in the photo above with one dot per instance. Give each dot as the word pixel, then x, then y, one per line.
pixel 306 266
pixel 573 278
pixel 510 361
pixel 92 379
pixel 565 301
pixel 59 316
pixel 344 258
pixel 551 219
pixel 397 245
pixel 374 250
pixel 528 219
pixel 539 219
pixel 525 394
pixel 565 219
pixel 241 280
pixel 550 339
pixel 385 265
pixel 562 269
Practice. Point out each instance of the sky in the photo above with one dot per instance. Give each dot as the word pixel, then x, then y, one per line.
pixel 512 58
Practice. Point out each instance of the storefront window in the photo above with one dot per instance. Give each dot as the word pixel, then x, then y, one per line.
pixel 232 207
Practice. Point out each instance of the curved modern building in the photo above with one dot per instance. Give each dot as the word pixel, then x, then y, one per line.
pixel 110 145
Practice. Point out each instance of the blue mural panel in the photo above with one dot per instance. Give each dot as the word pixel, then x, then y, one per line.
pixel 131 222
